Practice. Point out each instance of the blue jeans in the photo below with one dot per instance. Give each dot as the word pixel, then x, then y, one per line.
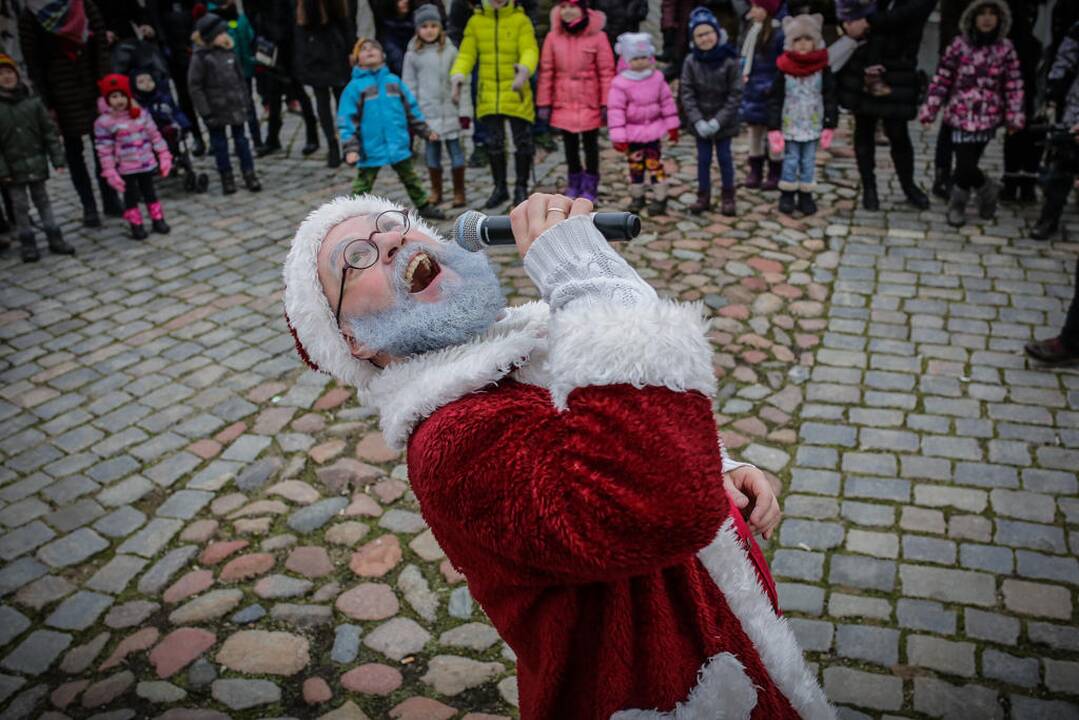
pixel 219 141
pixel 433 154
pixel 799 165
pixel 723 159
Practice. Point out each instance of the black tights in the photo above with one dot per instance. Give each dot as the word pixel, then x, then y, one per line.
pixel 968 176
pixel 138 185
pixel 325 112
pixel 591 150
pixel 280 88
pixel 865 148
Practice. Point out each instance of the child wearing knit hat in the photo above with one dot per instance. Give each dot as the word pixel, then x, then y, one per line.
pixel 711 91
pixel 802 110
pixel 762 44
pixel 28 141
pixel 640 111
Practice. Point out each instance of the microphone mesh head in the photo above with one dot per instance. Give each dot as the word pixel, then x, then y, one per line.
pixel 466 230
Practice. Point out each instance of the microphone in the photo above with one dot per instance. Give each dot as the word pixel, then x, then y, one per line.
pixel 475 231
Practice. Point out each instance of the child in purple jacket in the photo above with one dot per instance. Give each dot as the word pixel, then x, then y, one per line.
pixel 979 86
pixel 640 111
pixel 126 139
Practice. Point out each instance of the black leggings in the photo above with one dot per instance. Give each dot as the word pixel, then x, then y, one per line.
pixel 325 112
pixel 496 134
pixel 968 176
pixel 136 185
pixel 80 176
pixel 865 147
pixel 282 88
pixel 591 150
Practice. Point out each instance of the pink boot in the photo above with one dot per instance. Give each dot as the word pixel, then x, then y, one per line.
pixel 157 216
pixel 134 221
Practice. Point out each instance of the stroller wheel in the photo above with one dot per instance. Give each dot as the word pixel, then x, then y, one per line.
pixel 189 182
pixel 202 183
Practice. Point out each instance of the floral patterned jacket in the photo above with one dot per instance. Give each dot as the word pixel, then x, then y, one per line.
pixel 979 88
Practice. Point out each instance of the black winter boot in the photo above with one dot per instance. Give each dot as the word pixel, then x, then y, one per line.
pixel 28 247
pixel 915 196
pixel 806 204
pixel 500 194
pixel 786 202
pixel 228 183
pixel 870 199
pixel 251 181
pixel 57 245
pixel 522 164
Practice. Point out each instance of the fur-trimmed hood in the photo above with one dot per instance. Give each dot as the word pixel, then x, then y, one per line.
pixel 966 20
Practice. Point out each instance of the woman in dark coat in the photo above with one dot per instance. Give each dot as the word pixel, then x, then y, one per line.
pixel 65 73
pixel 894 33
pixel 274 21
pixel 324 38
pixel 393 18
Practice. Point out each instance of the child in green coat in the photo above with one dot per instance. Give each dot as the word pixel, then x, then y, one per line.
pixel 28 140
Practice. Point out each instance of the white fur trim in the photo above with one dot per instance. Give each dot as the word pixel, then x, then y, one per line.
pixel 729 565
pixel 407 392
pixel 723 692
pixel 662 343
pixel 788 185
pixel 308 311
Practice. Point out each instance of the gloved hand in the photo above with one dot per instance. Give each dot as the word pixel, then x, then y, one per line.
pixel 164 162
pixel 456 81
pixel 114 180
pixel 603 115
pixel 621 146
pixel 775 141
pixel 672 134
pixel 701 126
pixel 826 136
pixel 520 78
pixel 713 126
pixel 543 114
pixel 465 122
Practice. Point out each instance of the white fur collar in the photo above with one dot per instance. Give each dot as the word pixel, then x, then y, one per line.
pixel 406 393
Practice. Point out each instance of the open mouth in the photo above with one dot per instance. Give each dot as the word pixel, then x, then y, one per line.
pixel 421 272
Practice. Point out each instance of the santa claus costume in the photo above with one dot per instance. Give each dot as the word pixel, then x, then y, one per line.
pixel 568 464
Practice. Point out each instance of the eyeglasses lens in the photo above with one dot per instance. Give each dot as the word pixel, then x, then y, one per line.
pixel 392 221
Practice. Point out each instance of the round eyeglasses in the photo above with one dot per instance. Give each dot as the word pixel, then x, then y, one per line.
pixel 362 253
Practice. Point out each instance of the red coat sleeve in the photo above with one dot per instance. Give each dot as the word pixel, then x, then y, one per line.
pixel 625 482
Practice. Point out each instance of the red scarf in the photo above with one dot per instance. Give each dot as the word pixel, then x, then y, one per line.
pixel 802 64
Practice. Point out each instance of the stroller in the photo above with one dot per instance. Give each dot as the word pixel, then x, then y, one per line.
pixel 143 63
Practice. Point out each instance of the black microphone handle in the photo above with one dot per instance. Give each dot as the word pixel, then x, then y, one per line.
pixel 614 226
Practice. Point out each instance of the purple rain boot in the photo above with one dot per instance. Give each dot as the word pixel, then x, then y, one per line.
pixel 573 188
pixel 589 186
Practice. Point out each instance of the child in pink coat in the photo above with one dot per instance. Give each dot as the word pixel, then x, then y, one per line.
pixel 126 140
pixel 576 69
pixel 640 111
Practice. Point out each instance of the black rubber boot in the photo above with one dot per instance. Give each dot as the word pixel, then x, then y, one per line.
pixel 500 194
pixel 806 204
pixel 28 248
pixel 522 165
pixel 57 244
pixel 228 183
pixel 251 181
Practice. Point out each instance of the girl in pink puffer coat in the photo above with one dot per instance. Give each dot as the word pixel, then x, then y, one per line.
pixel 127 139
pixel 640 111
pixel 576 69
pixel 979 84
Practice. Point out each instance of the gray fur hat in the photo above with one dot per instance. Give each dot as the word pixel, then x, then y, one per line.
pixel 799 26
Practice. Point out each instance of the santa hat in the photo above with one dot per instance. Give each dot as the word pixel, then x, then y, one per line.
pixel 307 311
pixel 800 26
pixel 632 45
pixel 116 82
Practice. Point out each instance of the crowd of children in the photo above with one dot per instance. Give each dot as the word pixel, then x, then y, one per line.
pixel 776 82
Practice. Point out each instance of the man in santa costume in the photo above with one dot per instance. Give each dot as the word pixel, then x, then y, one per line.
pixel 565 456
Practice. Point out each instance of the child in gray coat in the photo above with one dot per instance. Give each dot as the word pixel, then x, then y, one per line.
pixel 426 73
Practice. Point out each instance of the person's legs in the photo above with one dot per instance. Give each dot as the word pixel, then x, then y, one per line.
pixel 574 172
pixel 725 160
pixel 457 154
pixel 902 149
pixel 275 89
pixel 219 142
pixel 590 140
pixel 80 178
pixel 1057 190
pixel 326 120
pixel 178 69
pixel 132 214
pixel 522 157
pixel 110 199
pixel 433 153
pixel 1069 335
pixel 252 114
pixel 636 167
pixel 653 163
pixel 416 194
pixel 757 150
pixel 307 111
pixel 365 180
pixel 480 138
pixel 20 206
pixel 788 179
pixel 968 175
pixel 40 195
pixel 457 169
pixel 243 149
pixel 496 151
pixel 807 177
pixel 1063 348
pixel 704 177
pixel 1021 159
pixel 865 148
pixel 942 164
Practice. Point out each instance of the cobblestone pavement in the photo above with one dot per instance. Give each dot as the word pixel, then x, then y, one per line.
pixel 192 526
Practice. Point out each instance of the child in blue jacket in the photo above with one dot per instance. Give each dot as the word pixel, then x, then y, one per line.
pixel 374 116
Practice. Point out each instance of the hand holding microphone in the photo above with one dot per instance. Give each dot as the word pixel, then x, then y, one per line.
pixel 474 231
